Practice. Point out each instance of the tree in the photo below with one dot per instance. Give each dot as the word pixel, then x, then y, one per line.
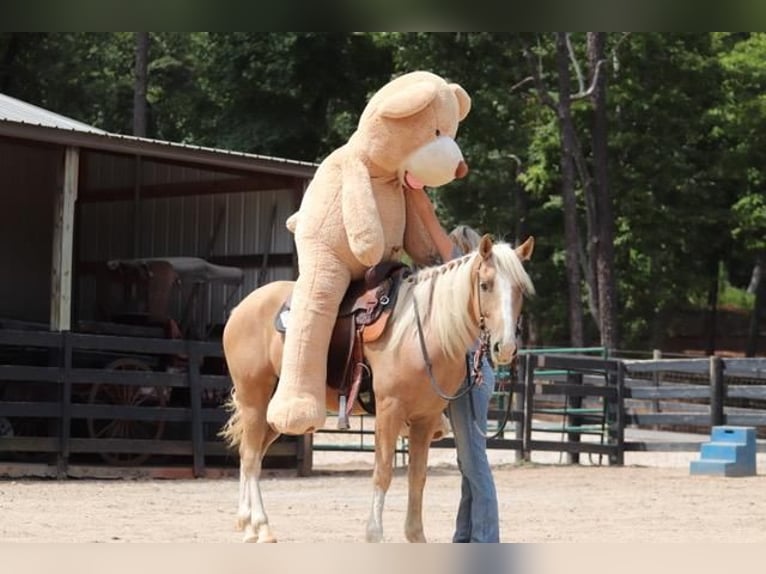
pixel 573 162
pixel 742 120
pixel 139 91
pixel 672 209
pixel 604 252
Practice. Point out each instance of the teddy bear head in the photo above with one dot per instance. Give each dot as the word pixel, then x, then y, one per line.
pixel 408 127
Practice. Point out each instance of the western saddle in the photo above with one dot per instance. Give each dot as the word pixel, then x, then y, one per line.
pixel 362 318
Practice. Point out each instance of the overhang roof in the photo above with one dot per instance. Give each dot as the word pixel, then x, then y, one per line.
pixel 15 110
pixel 25 121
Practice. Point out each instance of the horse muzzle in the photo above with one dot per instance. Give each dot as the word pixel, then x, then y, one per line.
pixel 503 353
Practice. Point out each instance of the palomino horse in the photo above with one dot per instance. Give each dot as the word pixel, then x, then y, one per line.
pixel 477 295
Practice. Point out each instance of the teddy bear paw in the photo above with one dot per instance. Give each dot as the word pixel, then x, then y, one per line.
pixel 296 415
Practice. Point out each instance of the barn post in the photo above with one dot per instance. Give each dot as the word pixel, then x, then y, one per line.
pixel 717 392
pixel 63 242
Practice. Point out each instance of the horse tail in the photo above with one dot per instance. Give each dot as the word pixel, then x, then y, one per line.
pixel 234 428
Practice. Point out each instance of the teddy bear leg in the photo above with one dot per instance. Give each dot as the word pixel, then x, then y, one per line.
pixel 298 405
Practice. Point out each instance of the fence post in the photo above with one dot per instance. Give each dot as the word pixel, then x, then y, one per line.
pixel 529 391
pixel 573 420
pixel 657 377
pixel 619 456
pixel 65 423
pixel 195 399
pixel 717 392
pixel 304 452
pixel 519 402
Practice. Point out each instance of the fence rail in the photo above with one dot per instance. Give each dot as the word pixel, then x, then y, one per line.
pixel 119 396
pixel 576 396
pixel 577 403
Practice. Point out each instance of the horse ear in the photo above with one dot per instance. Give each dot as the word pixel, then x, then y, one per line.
pixel 485 246
pixel 524 251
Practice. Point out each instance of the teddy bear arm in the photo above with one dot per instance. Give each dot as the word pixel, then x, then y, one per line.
pixel 361 219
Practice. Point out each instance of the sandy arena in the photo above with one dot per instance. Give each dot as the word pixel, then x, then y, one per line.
pixel 652 499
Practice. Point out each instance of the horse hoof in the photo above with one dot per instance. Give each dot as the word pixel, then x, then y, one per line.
pixel 374 536
pixel 265 535
pixel 250 534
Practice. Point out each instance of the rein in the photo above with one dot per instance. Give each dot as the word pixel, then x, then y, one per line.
pixel 478 357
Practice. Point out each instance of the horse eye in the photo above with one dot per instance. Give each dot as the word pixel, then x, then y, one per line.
pixel 484 286
pixel 438 133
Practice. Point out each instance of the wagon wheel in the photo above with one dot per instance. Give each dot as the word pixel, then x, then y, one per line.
pixel 126 395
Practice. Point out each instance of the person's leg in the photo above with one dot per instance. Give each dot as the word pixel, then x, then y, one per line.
pixel 477 519
pixel 463 520
pixel 484 507
pixel 461 419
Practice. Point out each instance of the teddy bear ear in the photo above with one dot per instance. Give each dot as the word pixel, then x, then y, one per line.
pixel 463 100
pixel 409 101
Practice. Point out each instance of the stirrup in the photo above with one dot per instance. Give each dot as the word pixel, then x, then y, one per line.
pixel 342 414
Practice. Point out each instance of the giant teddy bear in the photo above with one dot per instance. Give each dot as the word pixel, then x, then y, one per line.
pixel 365 204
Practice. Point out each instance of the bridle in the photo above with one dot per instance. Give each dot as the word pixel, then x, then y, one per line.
pixel 483 349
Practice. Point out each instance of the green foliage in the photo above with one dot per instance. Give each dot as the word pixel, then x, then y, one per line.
pixel 687 135
pixel 288 94
pixel 750 217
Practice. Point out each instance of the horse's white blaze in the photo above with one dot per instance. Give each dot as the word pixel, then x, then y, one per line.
pixel 506 294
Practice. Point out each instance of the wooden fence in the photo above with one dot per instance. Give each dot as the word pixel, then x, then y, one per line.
pixel 575 397
pixel 123 398
pixel 549 397
pixel 573 404
pixel 706 392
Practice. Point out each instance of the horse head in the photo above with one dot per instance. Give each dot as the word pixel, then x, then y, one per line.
pixel 500 285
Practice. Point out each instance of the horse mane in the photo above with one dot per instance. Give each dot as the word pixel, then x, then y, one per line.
pixel 443 293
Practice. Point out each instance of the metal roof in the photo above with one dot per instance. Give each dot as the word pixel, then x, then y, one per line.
pixel 22 120
pixel 22 112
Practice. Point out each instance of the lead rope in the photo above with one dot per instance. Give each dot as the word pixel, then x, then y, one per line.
pixel 427 360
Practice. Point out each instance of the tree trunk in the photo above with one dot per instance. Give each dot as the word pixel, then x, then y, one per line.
pixel 9 56
pixel 604 235
pixel 711 319
pixel 139 87
pixel 571 233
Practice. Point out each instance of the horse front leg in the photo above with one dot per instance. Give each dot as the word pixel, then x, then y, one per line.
pixel 387 426
pixel 251 515
pixel 419 441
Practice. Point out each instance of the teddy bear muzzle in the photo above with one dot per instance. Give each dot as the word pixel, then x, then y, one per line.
pixel 434 164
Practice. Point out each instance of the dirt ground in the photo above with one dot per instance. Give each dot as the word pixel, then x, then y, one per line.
pixel 651 499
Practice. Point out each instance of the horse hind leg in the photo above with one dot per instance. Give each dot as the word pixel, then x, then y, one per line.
pixel 256 438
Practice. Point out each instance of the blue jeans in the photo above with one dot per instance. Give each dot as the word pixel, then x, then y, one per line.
pixel 477 516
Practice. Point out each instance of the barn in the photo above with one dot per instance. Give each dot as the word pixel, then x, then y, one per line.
pixel 115 245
